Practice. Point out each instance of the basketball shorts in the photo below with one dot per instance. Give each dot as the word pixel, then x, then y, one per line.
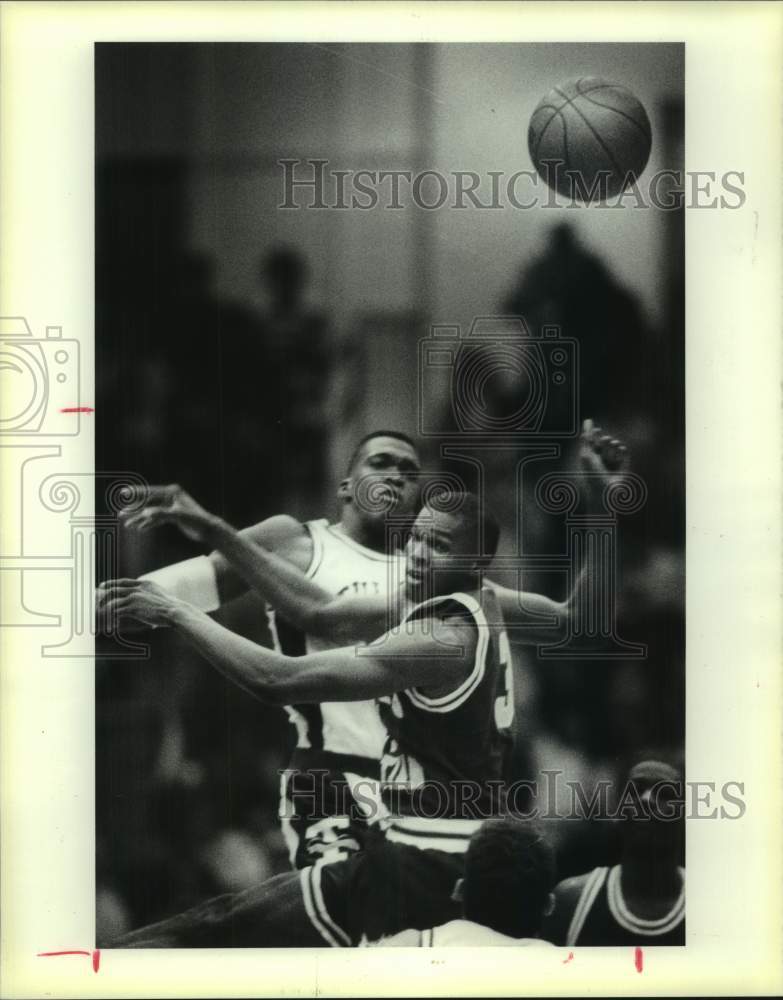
pixel 321 818
pixel 385 888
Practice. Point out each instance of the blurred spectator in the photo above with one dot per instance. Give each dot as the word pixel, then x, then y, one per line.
pixel 296 337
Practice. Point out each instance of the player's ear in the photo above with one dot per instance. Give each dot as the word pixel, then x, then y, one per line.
pixel 457 894
pixel 344 490
pixel 549 909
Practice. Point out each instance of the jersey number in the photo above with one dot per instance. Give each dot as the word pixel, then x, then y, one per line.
pixel 504 703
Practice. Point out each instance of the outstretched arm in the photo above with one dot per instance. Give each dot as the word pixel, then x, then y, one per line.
pixel 430 653
pixel 537 620
pixel 248 556
pixel 298 599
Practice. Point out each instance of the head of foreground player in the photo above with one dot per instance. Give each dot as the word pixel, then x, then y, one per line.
pixel 653 833
pixel 653 822
pixel 509 878
pixel 445 552
pixel 382 486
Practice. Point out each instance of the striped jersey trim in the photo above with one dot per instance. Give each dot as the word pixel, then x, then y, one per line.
pixel 453 699
pixel 310 881
pixel 315 529
pixel 590 890
pixel 449 835
pixel 639 925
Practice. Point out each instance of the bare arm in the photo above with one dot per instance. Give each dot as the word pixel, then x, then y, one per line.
pixel 281 534
pixel 298 599
pixel 253 559
pixel 428 654
pixel 537 620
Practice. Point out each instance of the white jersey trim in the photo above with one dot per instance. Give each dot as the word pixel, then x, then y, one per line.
pixel 590 890
pixel 453 699
pixel 451 836
pixel 310 881
pixel 639 925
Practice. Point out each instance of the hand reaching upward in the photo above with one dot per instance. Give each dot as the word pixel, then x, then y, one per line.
pixel 603 457
pixel 172 505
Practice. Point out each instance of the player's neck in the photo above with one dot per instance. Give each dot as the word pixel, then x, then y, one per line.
pixel 370 536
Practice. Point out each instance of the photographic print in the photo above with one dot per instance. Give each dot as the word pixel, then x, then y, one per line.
pixel 371 549
pixel 380 280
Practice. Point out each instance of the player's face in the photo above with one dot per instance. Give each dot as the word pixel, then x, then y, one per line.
pixel 439 557
pixel 659 790
pixel 385 479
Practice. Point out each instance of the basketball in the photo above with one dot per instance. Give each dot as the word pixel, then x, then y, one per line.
pixel 589 135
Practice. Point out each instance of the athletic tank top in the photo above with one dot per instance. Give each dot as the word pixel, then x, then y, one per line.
pixel 601 915
pixel 460 934
pixel 446 757
pixel 467 934
pixel 329 732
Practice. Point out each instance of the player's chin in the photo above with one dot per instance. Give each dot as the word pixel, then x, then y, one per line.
pixel 416 587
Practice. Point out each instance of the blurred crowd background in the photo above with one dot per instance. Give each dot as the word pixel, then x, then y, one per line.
pixel 242 349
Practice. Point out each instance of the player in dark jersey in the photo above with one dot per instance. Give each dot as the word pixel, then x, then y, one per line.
pixel 434 658
pixel 641 901
pixel 337 744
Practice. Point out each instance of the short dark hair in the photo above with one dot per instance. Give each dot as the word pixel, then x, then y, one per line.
pixel 509 875
pixel 474 512
pixel 378 434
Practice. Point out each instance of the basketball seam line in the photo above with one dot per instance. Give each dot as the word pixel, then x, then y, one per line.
pixel 581 93
pixel 555 114
pixel 647 133
pixel 570 100
pixel 598 138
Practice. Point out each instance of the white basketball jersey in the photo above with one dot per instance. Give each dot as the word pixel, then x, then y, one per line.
pixel 341 566
pixel 459 934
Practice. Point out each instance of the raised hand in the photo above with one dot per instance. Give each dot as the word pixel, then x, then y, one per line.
pixel 172 505
pixel 604 458
pixel 601 454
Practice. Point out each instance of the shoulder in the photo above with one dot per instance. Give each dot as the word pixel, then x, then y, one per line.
pixel 567 895
pixel 571 888
pixel 285 536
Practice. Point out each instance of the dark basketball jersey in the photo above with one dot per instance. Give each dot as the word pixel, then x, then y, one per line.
pixel 446 757
pixel 593 912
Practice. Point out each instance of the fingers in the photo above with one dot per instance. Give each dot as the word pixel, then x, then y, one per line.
pixel 109 613
pixel 151 497
pixel 162 494
pixel 126 583
pixel 146 518
pixel 610 450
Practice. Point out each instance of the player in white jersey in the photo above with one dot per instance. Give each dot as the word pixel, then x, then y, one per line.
pixel 505 892
pixel 337 744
